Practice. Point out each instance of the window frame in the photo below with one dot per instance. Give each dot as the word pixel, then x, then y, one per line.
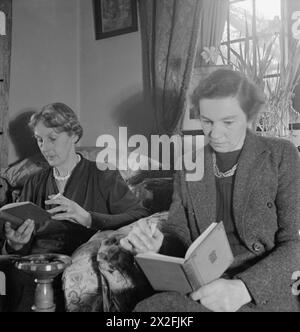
pixel 254 35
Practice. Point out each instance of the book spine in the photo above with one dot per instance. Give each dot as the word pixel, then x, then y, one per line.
pixel 191 274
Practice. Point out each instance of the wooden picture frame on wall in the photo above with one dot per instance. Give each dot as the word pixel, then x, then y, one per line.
pixel 114 17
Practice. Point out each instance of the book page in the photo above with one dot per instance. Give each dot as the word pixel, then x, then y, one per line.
pixel 166 275
pixel 213 257
pixel 196 243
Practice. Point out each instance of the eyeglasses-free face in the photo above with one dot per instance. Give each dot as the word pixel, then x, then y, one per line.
pixel 224 123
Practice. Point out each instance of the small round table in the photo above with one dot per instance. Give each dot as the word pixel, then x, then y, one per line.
pixel 44 268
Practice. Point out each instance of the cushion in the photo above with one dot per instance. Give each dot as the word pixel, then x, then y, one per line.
pixel 81 280
pixel 123 283
pixel 17 174
pixel 88 288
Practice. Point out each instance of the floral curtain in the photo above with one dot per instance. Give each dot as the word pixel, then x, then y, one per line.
pixel 174 33
pixel 169 40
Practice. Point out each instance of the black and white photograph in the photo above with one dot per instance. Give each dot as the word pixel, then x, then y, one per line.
pixel 149 158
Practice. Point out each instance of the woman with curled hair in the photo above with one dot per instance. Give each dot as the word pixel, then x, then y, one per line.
pixel 252 184
pixel 81 198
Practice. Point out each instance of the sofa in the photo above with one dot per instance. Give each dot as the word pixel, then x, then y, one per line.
pixel 101 277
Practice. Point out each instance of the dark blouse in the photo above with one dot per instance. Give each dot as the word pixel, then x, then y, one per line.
pixel 224 186
pixel 102 193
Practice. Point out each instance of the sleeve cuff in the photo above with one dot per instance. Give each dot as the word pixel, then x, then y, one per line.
pixel 96 223
pixel 258 294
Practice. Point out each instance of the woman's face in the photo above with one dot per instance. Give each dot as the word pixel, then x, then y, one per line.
pixel 56 147
pixel 224 123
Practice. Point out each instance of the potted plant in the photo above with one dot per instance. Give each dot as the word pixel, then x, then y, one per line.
pixel 276 119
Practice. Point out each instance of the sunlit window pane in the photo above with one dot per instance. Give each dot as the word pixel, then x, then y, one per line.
pixel 268 17
pixel 240 13
pixel 268 9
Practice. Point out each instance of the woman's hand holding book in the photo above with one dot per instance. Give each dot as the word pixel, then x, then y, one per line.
pixel 67 209
pixel 16 239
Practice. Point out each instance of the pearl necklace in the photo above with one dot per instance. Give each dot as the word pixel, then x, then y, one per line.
pixel 58 177
pixel 220 174
pixel 66 177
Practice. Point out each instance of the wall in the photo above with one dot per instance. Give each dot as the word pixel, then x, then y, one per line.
pixel 111 82
pixel 43 65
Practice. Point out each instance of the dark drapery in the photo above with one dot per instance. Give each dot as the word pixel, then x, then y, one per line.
pixel 169 41
pixel 174 33
pixel 212 22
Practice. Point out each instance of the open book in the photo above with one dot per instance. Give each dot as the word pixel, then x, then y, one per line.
pixel 17 213
pixel 208 257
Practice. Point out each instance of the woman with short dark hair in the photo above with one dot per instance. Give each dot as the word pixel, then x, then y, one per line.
pixel 252 184
pixel 224 83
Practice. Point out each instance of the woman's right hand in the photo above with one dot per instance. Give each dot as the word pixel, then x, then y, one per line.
pixel 16 239
pixel 143 238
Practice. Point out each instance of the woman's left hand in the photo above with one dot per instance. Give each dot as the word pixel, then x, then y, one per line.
pixel 223 295
pixel 68 210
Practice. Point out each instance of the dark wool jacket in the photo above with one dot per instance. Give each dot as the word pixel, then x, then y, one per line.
pixel 266 207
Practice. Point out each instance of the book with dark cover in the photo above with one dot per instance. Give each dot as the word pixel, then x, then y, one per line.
pixel 17 213
pixel 208 257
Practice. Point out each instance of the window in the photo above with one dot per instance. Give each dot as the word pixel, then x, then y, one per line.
pixel 253 34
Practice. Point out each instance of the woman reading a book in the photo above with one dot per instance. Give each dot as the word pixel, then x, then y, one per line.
pixel 81 198
pixel 252 184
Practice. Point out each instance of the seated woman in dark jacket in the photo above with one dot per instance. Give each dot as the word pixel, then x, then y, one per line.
pixel 89 199
pixel 252 184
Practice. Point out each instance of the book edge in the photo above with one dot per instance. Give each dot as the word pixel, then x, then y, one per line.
pixel 160 257
pixel 13 205
pixel 201 238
